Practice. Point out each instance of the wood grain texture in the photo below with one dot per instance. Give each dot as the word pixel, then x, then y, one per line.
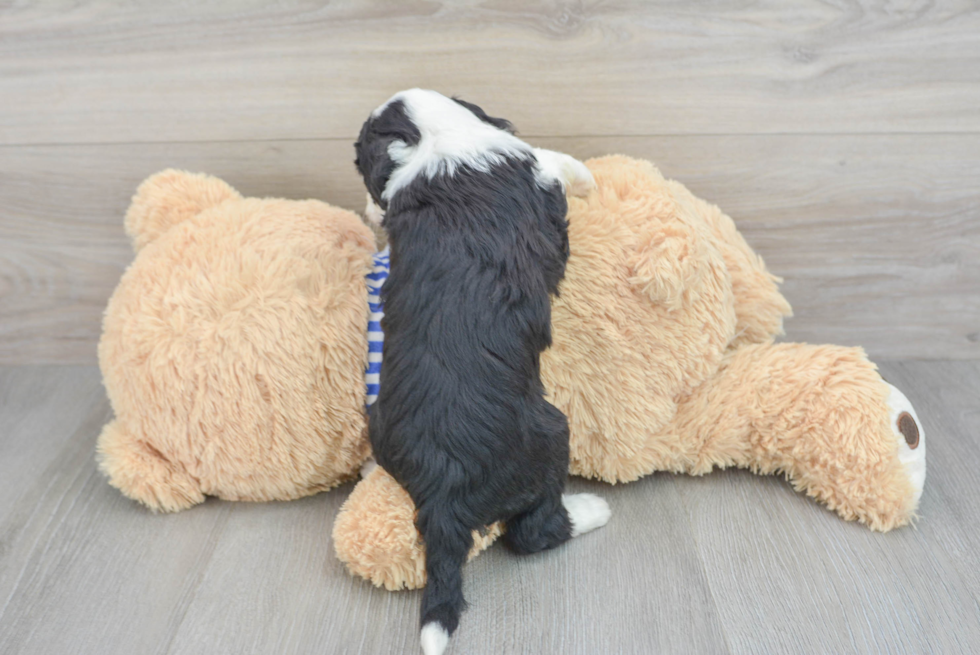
pixel 113 72
pixel 40 409
pixel 726 563
pixel 571 600
pixel 877 237
pixel 776 559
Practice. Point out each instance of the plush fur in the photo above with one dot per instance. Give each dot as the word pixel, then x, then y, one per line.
pixel 233 349
pixel 663 359
pixel 478 244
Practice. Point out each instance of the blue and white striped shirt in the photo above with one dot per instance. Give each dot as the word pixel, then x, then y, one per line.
pixel 376 338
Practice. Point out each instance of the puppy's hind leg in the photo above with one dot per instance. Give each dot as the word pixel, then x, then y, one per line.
pixel 554 518
pixel 447 544
pixel 586 512
pixel 554 521
pixel 544 526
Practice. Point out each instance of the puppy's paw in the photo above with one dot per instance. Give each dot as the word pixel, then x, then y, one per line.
pixel 579 180
pixel 586 512
pixel 575 177
pixel 369 465
pixel 373 212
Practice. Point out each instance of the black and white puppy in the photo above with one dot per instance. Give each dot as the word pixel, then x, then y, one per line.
pixel 476 223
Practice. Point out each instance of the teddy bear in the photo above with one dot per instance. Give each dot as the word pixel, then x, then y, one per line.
pixel 235 349
pixel 663 359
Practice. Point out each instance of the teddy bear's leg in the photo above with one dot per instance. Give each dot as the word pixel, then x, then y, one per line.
pixel 821 415
pixel 142 473
pixel 374 534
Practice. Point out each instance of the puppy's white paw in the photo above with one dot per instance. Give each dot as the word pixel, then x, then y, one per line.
pixel 574 176
pixel 586 512
pixel 369 465
pixel 434 639
pixel 911 438
pixel 373 212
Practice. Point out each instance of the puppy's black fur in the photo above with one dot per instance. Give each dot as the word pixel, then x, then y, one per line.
pixel 461 421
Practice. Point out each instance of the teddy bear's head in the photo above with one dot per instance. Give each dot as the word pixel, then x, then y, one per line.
pixel 234 347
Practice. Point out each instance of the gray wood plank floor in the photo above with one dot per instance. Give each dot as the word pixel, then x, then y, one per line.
pixel 727 563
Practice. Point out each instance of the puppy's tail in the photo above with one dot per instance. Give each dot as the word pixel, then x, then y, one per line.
pixel 447 544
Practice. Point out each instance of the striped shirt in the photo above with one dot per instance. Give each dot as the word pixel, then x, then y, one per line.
pixel 376 338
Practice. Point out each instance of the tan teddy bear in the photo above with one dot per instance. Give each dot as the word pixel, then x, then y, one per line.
pixel 234 353
pixel 233 350
pixel 663 360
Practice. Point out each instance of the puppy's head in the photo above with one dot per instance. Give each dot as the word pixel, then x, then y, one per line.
pixel 388 128
pixel 420 132
pixel 424 133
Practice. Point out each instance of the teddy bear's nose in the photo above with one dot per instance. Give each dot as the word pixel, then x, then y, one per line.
pixel 909 429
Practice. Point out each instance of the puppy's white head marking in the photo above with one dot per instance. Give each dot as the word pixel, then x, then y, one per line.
pixel 420 132
pixel 451 136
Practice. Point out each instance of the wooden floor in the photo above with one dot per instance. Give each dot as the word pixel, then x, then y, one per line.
pixel 727 563
pixel 842 136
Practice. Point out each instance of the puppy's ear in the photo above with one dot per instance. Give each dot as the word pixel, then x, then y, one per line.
pixel 499 123
pixel 373 156
pixel 375 165
pixel 553 252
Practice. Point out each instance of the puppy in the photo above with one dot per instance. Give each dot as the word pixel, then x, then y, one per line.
pixel 475 220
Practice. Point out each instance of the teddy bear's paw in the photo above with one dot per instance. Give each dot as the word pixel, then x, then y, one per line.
pixel 911 439
pixel 574 176
pixel 586 512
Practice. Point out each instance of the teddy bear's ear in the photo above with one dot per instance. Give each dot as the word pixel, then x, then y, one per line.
pixel 169 197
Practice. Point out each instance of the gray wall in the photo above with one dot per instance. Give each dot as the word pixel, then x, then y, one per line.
pixel 844 140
